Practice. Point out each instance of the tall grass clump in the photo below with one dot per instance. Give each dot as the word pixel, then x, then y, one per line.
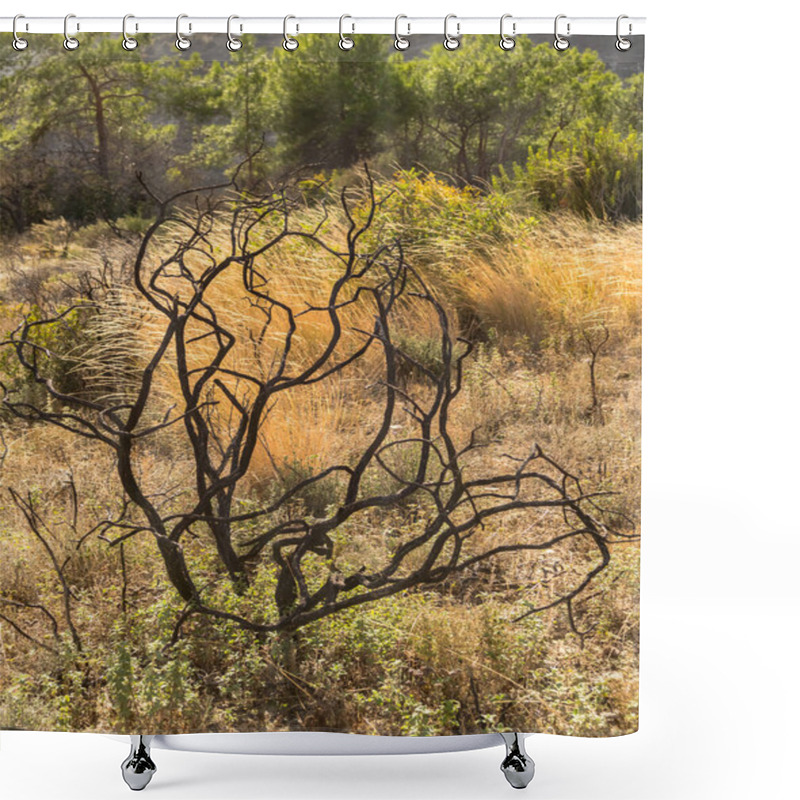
pixel 563 276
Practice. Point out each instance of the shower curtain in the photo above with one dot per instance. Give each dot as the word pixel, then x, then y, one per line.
pixel 320 387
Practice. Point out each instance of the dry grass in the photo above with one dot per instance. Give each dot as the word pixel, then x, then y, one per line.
pixel 560 278
pixel 449 660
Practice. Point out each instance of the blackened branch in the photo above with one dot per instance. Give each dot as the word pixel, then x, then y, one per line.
pixel 205 244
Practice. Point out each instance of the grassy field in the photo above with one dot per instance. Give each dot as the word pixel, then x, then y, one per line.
pixel 553 306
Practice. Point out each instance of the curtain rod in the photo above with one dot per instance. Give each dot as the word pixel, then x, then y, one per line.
pixel 405 25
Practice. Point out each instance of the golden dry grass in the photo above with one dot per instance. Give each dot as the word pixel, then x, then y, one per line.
pixel 448 660
pixel 558 279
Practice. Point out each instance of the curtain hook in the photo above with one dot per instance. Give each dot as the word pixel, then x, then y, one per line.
pixel 128 42
pixel 451 42
pixel 561 43
pixel 345 42
pixel 623 44
pixel 401 42
pixel 507 42
pixel 289 43
pixel 234 43
pixel 70 42
pixel 18 43
pixel 181 41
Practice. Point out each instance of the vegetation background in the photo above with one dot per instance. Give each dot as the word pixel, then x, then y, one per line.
pixel 516 189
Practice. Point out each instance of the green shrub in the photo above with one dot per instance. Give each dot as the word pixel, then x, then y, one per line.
pixel 438 223
pixel 60 345
pixel 595 173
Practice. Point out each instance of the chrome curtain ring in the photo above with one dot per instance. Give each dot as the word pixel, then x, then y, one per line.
pixel 181 41
pixel 128 42
pixel 401 42
pixel 70 42
pixel 451 42
pixel 234 43
pixel 622 44
pixel 561 43
pixel 289 43
pixel 345 42
pixel 18 43
pixel 507 42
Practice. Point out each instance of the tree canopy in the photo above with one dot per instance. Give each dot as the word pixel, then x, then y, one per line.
pixel 74 131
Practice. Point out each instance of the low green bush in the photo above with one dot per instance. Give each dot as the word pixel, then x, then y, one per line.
pixel 595 173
